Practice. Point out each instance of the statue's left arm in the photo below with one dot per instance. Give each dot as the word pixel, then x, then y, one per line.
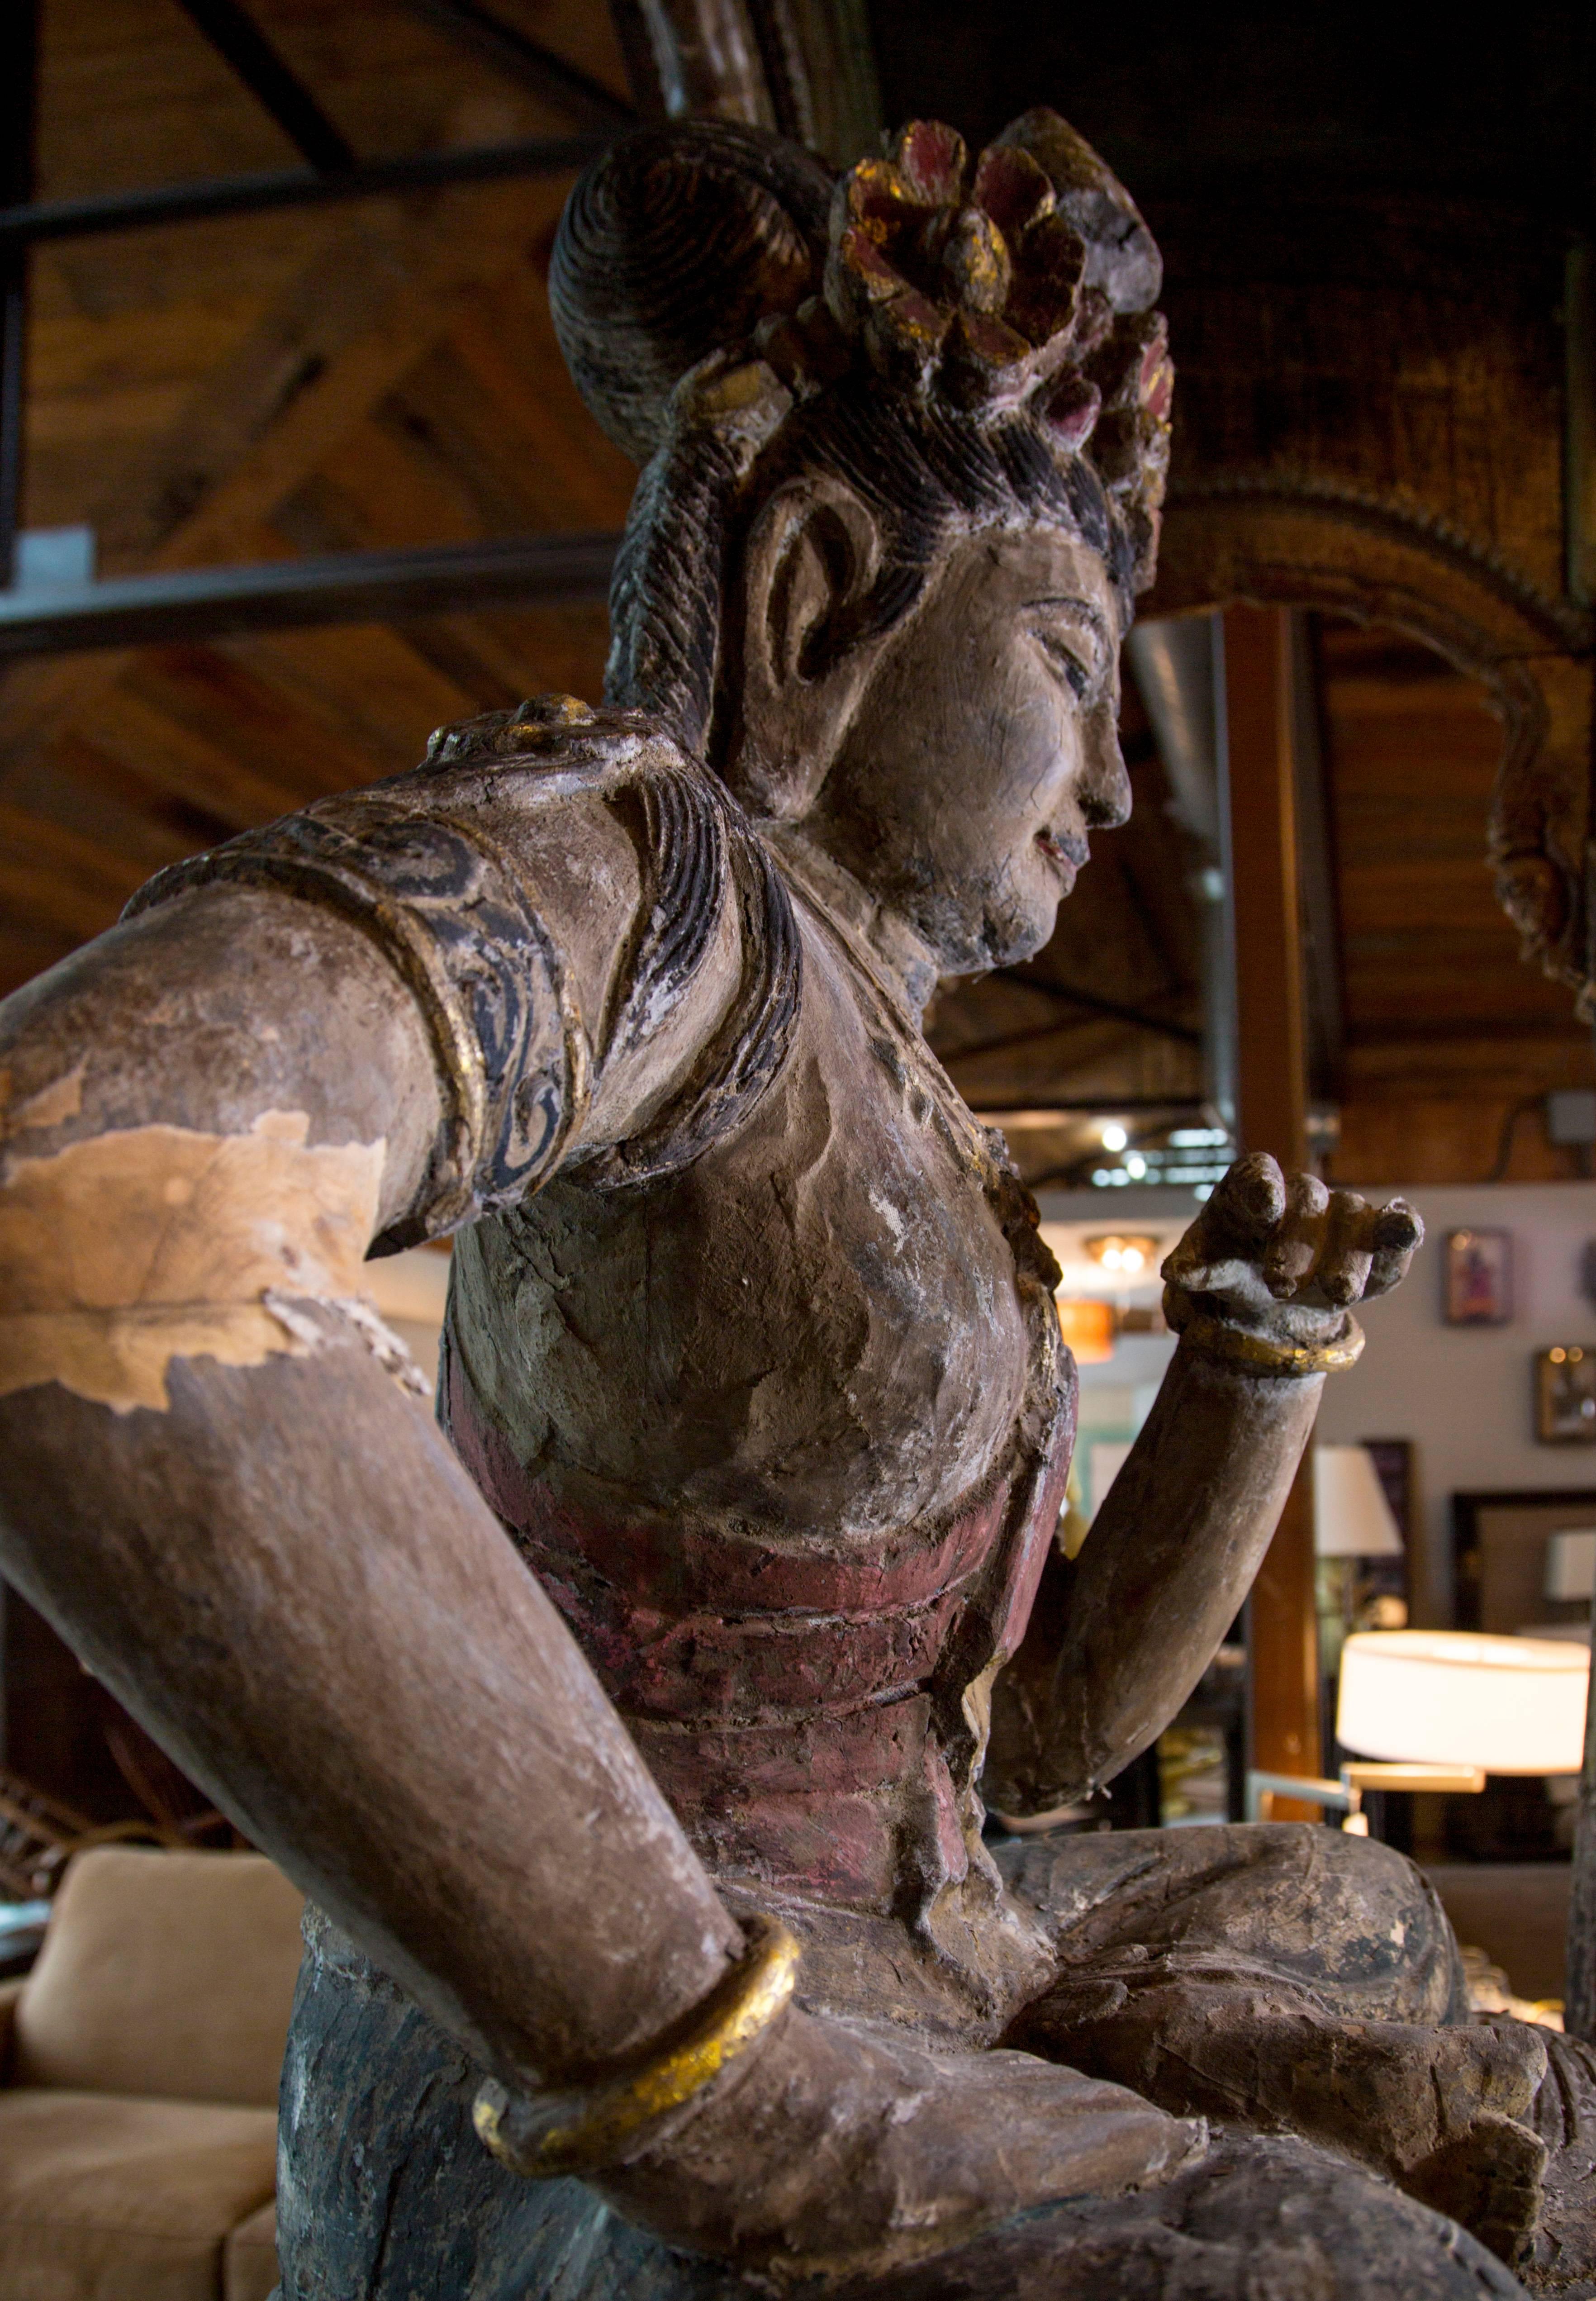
pixel 1262 1288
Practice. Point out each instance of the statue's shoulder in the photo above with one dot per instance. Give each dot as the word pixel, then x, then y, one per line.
pixel 523 839
pixel 532 778
pixel 548 747
pixel 501 796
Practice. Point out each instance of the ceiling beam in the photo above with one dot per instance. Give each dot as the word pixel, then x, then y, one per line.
pixel 804 66
pixel 535 68
pixel 344 587
pixel 244 47
pixel 292 188
pixel 1063 994
pixel 378 296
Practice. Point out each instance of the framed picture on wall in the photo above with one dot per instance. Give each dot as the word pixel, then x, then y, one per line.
pixel 1566 1395
pixel 1504 1554
pixel 1479 1277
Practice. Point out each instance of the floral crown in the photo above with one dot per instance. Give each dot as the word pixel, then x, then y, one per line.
pixel 1023 283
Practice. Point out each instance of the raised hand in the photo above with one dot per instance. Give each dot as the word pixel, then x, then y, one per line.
pixel 1286 1259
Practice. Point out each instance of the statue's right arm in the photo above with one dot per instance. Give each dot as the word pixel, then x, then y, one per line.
pixel 211 1483
pixel 249 1531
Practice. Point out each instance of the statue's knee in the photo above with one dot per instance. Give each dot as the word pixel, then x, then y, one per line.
pixel 1335 1864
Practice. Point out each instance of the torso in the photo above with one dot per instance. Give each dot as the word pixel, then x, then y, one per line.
pixel 785 1436
pixel 766 1381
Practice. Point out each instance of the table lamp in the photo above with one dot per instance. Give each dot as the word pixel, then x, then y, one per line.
pixel 1571 1563
pixel 1456 1698
pixel 1438 1710
pixel 1352 1520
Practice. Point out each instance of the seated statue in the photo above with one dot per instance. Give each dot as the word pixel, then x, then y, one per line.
pixel 628 1724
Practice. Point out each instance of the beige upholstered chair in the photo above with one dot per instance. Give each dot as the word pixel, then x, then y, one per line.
pixel 139 2082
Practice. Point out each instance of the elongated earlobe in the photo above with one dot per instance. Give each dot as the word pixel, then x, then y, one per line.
pixel 810 567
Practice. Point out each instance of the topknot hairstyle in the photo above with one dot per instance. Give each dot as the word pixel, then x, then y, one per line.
pixel 963 344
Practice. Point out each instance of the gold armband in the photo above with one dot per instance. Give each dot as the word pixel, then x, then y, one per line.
pixel 1262 1354
pixel 578 2132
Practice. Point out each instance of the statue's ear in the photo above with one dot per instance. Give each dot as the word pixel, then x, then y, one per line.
pixel 809 567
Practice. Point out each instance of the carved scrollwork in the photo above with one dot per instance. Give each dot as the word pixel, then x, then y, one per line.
pixel 1310 541
pixel 450 912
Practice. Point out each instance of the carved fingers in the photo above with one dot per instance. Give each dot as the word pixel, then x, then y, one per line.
pixel 1264 1240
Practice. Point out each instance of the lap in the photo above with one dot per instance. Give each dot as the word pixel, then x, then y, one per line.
pixel 387 2195
pixel 1256 2217
pixel 1344 1919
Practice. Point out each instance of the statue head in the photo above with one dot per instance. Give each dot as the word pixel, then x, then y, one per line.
pixel 904 439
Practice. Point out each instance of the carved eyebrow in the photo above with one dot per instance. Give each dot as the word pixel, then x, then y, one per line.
pixel 1088 612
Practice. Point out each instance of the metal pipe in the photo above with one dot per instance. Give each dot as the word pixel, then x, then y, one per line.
pixel 1172 661
pixel 346 587
pixel 22 227
pixel 1178 664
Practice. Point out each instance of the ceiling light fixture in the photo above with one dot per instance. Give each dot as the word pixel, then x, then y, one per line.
pixel 1125 1257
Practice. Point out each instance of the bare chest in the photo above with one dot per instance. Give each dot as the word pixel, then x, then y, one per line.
pixel 812 1330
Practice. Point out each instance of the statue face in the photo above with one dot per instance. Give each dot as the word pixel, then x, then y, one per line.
pixel 984 748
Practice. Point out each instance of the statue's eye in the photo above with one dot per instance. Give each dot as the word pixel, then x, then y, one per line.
pixel 1076 674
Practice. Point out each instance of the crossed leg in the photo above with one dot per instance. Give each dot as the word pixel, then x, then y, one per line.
pixel 1290 1979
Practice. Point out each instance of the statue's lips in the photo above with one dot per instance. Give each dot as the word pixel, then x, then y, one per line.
pixel 1064 856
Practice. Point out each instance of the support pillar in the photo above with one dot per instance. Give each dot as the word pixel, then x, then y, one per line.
pixel 1271 1082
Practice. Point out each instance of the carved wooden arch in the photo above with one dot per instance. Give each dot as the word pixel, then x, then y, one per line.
pixel 1317 543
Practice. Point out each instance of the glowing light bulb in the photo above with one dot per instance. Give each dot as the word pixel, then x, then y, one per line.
pixel 1136 1166
pixel 1111 1257
pixel 1115 1137
pixel 1131 1257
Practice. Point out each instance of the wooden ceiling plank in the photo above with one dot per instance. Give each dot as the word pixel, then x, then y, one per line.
pixel 78 787
pixel 377 494
pixel 26 952
pixel 509 344
pixel 132 96
pixel 51 875
pixel 225 696
pixel 556 650
pixel 468 239
pixel 175 757
pixel 515 460
pixel 369 690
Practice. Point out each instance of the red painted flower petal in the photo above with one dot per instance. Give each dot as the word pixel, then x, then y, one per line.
pixel 1072 413
pixel 1013 189
pixel 874 198
pixel 869 266
pixel 933 161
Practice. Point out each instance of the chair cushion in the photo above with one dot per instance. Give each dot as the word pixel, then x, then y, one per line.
pixel 164 1975
pixel 106 2199
pixel 249 2264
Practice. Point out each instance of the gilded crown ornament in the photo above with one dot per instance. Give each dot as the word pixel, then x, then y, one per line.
pixel 712 278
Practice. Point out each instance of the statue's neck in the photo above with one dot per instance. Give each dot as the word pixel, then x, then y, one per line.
pixel 907 964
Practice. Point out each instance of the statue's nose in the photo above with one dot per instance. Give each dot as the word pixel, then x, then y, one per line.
pixel 1106 787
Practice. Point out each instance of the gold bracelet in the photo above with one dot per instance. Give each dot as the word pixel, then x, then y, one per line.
pixel 579 2131
pixel 1264 1355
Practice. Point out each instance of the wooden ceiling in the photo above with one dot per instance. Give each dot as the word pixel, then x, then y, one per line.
pixel 1449 1038
pixel 259 386
pixel 384 375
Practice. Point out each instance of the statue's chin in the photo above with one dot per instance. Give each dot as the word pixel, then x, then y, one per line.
pixel 985 926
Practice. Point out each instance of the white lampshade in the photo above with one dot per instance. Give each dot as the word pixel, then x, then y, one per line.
pixel 1352 1516
pixel 1454 1697
pixel 1571 1563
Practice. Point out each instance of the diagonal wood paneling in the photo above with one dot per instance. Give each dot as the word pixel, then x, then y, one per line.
pixel 260 387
